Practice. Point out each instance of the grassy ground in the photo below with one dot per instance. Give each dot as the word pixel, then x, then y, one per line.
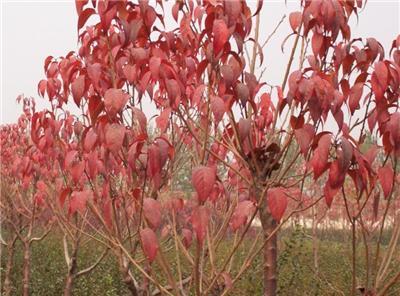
pixel 296 274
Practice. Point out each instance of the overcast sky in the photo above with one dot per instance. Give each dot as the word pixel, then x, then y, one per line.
pixel 33 30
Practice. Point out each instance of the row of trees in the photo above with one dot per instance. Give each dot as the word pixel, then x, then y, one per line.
pixel 254 150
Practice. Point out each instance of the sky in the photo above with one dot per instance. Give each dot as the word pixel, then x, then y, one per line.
pixel 33 30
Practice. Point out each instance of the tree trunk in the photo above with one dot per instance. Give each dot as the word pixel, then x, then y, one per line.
pixel 9 266
pixel 69 282
pixel 27 267
pixel 269 254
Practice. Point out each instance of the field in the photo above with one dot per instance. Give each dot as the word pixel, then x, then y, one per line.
pixel 296 271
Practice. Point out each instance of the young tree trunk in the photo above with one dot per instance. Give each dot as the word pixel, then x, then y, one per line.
pixel 9 266
pixel 269 254
pixel 27 267
pixel 69 282
pixel 315 240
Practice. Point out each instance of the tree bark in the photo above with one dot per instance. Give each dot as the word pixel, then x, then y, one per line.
pixel 269 254
pixel 9 266
pixel 26 269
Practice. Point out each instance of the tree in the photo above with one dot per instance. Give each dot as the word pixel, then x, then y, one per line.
pixel 22 205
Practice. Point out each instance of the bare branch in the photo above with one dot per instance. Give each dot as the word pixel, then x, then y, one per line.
pixel 93 266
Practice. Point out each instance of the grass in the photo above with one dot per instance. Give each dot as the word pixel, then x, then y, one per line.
pixel 296 274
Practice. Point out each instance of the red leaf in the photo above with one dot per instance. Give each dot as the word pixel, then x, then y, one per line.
pixel 78 89
pixel 320 158
pixel 175 204
pixel 393 127
pixel 242 92
pixel 154 65
pixel 130 73
pixel 42 86
pixel 336 175
pixel 175 11
pixel 47 62
pixel 386 175
pixel 78 201
pixel 140 118
pixel 244 127
pixel 90 140
pixel 376 87
pixel 355 96
pixel 149 243
pixel 347 149
pixel 63 196
pixel 217 108
pixel 203 179
pixel 92 164
pixel 277 202
pixel 259 6
pixel 115 100
pixel 227 74
pixel 163 119
pixel 69 158
pixel 198 14
pixel 154 164
pixel 94 72
pixel 152 212
pixel 295 20
pixel 174 92
pixel 114 137
pixel 201 67
pixel 233 9
pixel 95 107
pixel 165 148
pixel 78 127
pixel 304 137
pixel 77 170
pixel 221 35
pixel 199 221
pixel 316 43
pixel 241 213
pixel 329 193
pixel 382 73
pixel 84 16
pixel 79 5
